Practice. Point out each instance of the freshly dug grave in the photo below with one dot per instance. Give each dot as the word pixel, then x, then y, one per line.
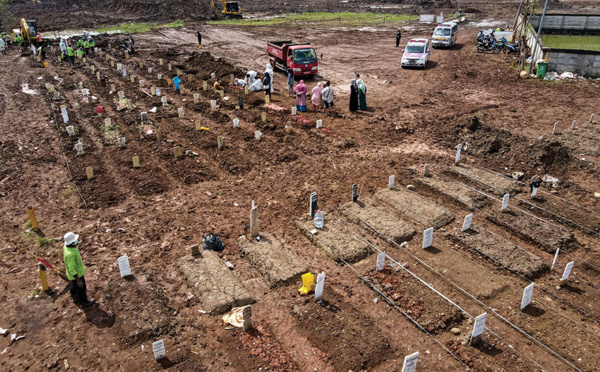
pixel 141 313
pixel 275 262
pixel 384 222
pixel 416 207
pixel 470 198
pixel 217 288
pixel 502 251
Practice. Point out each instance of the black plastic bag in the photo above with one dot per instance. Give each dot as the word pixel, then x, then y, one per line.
pixel 213 242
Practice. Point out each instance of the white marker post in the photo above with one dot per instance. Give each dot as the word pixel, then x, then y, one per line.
pixel 391 182
pixel 380 261
pixel 180 112
pixel 505 202
pixel 567 271
pixel 467 222
pixel 573 125
pixel 555 258
pixel 124 267
pixel 554 129
pixel 319 287
pixel 213 104
pixel 319 123
pixel 159 349
pixel 79 148
pixel 592 118
pixel 257 134
pixel 164 101
pixel 71 130
pixel 122 142
pixel 478 329
pixel 410 362
pixel 458 150
pixel 236 123
pixel 533 191
pixel 527 295
pixel 144 117
pixel 427 238
pixel 426 170
pixel 293 111
pixel 65 116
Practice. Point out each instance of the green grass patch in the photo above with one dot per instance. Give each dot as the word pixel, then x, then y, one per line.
pixel 132 28
pixel 323 19
pixel 572 42
pixel 44 241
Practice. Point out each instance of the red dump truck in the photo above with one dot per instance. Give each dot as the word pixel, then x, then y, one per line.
pixel 301 58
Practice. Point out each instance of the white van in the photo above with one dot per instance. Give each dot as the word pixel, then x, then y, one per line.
pixel 444 35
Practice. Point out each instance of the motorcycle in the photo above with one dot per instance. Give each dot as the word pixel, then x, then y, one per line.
pixel 511 48
pixel 488 46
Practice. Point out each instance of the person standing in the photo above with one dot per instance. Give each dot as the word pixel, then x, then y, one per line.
pixel 176 81
pixel 2 46
pixel 301 96
pixel 398 36
pixel 362 95
pixel 75 270
pixel 327 94
pixel 199 39
pixel 316 96
pixel 269 71
pixel 92 46
pixel 353 96
pixel 290 81
pixel 267 85
pixel 71 55
pixel 86 47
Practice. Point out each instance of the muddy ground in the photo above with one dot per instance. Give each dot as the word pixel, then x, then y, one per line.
pixel 153 214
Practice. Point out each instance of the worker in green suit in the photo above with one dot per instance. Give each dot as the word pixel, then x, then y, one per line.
pixel 75 270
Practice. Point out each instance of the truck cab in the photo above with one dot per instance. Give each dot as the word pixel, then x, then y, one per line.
pixel 444 35
pixel 416 53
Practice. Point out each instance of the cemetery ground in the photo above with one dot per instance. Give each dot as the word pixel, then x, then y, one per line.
pixel 424 300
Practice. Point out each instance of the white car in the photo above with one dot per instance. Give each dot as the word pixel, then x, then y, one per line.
pixel 416 53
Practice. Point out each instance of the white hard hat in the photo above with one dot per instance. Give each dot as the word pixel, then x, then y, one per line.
pixel 71 238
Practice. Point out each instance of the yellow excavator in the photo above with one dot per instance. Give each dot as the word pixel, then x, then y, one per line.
pixel 28 31
pixel 230 8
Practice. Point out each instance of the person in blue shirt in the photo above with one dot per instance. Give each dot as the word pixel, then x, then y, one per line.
pixel 176 81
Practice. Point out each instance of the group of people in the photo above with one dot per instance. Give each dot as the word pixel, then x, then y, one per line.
pixel 321 96
pixel 83 47
pixel 358 94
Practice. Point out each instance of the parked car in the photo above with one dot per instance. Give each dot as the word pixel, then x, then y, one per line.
pixel 416 53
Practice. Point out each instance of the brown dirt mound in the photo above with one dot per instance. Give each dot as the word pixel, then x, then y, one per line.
pixel 141 312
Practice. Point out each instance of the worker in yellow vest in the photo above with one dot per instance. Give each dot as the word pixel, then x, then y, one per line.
pixel 75 270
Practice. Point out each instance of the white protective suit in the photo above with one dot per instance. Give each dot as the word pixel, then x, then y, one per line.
pixel 269 71
pixel 2 46
pixel 63 46
pixel 254 84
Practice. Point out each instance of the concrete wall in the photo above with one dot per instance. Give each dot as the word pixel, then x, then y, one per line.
pixel 568 23
pixel 586 63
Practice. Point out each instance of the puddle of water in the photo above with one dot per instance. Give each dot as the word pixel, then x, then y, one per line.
pixel 25 89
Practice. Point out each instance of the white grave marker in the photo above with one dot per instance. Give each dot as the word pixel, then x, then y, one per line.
pixel 85 92
pixel 380 261
pixel 592 118
pixel 391 182
pixel 555 258
pixel 159 76
pixel 71 130
pixel 236 123
pixel 293 111
pixel 410 362
pixel 119 66
pixel 319 287
pixel 467 222
pixel 141 83
pixel 319 123
pixel 573 125
pixel 107 122
pixel 567 271
pixel 533 191
pixel 65 116
pixel 213 75
pixel 505 202
pixel 144 117
pixel 121 94
pixel 428 238
pixel 527 295
pixel 122 142
pixel 554 129
pixel 149 70
pixel 213 104
pixel 257 134
pixel 479 326
pixel 180 112
pixel 79 148
pixel 196 97
pixel 164 101
pixel 159 349
pixel 124 267
pixel 124 71
pixel 458 150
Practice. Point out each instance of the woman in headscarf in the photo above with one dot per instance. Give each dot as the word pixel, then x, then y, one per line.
pixel 353 96
pixel 362 95
pixel 316 96
pixel 301 96
pixel 269 71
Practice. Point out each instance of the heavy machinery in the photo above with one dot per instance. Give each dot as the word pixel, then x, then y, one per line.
pixel 230 8
pixel 28 31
